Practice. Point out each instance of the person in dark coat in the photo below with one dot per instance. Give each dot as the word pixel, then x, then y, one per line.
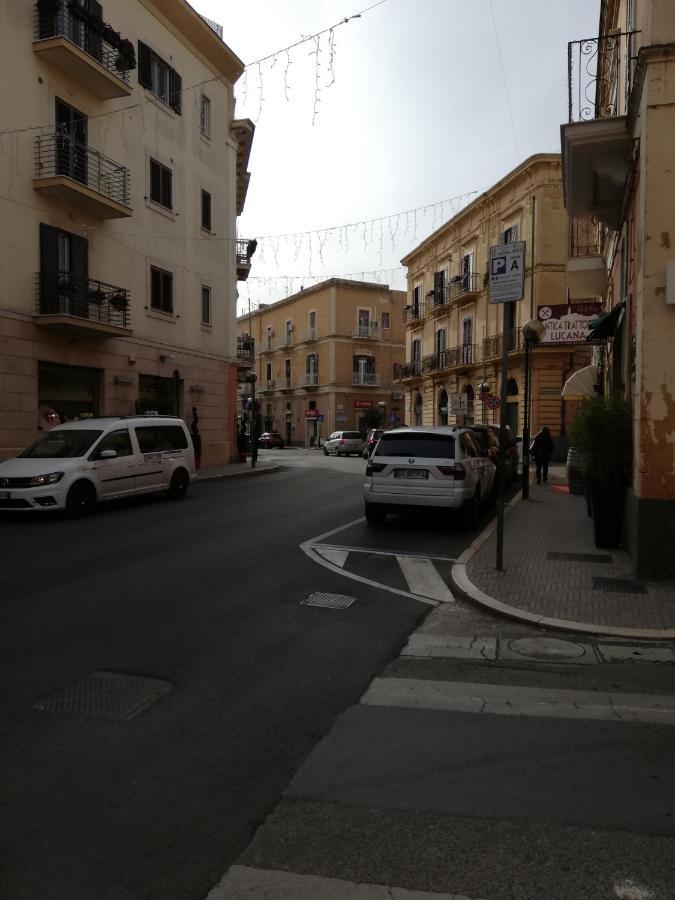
pixel 541 449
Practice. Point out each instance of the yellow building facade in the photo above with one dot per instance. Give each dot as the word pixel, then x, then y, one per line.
pixel 324 359
pixel 454 336
pixel 122 173
pixel 619 187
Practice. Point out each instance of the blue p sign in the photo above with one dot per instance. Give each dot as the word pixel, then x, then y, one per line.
pixel 499 265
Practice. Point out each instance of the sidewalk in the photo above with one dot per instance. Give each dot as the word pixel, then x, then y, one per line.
pixel 236 470
pixel 554 575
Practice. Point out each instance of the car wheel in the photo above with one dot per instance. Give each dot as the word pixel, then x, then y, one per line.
pixel 81 499
pixel 178 487
pixel 472 512
pixel 375 515
pixel 325 452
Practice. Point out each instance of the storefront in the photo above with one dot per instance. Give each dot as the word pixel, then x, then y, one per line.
pixel 159 395
pixel 66 393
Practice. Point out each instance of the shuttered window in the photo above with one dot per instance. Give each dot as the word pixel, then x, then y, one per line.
pixel 206 210
pixel 64 272
pixel 161 290
pixel 159 77
pixel 161 184
pixel 206 305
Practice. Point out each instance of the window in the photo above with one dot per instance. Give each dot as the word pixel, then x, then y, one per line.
pixel 441 341
pixel 161 184
pixel 416 353
pixel 161 290
pixel 206 305
pixel 467 340
pixel 205 116
pixel 385 320
pixel 158 438
pixel 119 441
pixel 268 372
pixel 206 210
pixel 158 76
pixel 416 301
pixel 64 272
pixel 430 446
pixel 288 373
pixel 509 235
pixel 439 287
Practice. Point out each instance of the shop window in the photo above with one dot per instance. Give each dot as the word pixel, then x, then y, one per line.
pixel 158 395
pixel 66 394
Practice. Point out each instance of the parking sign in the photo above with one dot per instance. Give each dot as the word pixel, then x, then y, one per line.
pixel 507 272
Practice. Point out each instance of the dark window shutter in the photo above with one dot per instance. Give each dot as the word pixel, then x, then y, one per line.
pixel 167 292
pixel 79 269
pixel 175 91
pixel 155 182
pixel 167 198
pixel 206 210
pixel 49 269
pixel 144 65
pixel 155 289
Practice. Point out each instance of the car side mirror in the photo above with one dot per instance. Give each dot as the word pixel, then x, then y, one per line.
pixel 108 454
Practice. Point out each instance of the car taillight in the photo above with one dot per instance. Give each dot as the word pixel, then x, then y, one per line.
pixel 458 472
pixel 374 467
pixel 341 441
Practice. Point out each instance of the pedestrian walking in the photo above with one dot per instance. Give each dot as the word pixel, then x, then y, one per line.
pixel 541 449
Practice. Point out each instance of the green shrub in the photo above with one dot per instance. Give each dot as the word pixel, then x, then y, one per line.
pixel 601 432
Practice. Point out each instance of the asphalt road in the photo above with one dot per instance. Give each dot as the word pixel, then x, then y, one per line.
pixel 204 594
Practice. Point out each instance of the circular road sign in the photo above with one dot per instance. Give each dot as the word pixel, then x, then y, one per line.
pixel 493 403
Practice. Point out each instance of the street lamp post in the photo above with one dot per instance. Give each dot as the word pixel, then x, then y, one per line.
pixel 251 378
pixel 533 331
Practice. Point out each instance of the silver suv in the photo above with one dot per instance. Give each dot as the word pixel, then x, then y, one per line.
pixel 422 467
pixel 343 443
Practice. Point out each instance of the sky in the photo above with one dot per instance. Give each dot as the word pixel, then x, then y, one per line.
pixel 374 134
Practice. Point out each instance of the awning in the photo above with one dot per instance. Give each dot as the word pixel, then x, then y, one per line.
pixel 581 384
pixel 606 325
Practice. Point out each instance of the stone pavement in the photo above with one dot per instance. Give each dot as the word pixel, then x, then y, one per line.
pixel 554 575
pixel 236 470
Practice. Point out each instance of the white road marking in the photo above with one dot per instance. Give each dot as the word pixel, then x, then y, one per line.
pixel 376 551
pixel 509 700
pixel 332 554
pixel 268 884
pixel 423 578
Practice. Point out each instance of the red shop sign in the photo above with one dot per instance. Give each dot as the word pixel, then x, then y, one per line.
pixel 312 413
pixel 363 404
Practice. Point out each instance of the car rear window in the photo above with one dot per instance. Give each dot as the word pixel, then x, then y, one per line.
pixel 431 446
pixel 351 435
pixel 157 438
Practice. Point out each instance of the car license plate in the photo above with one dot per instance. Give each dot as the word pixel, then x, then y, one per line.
pixel 5 495
pixel 411 473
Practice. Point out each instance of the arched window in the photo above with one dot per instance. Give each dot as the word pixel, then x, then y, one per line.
pixel 442 407
pixel 417 409
pixel 512 387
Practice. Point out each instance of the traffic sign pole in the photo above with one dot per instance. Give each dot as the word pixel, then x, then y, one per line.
pixel 502 441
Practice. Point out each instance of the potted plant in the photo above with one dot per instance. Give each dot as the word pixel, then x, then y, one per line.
pixel 601 432
pixel 119 300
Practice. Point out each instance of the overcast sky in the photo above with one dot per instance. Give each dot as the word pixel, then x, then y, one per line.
pixel 417 113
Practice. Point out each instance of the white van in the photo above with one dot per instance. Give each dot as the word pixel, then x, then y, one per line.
pixel 74 465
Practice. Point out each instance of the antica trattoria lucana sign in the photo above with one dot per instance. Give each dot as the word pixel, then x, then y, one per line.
pixel 568 323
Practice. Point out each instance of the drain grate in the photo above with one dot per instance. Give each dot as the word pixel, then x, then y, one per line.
pixel 618 586
pixel 330 601
pixel 580 557
pixel 106 695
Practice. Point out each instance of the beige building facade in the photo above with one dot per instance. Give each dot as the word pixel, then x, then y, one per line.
pixel 324 359
pixel 454 336
pixel 620 188
pixel 122 173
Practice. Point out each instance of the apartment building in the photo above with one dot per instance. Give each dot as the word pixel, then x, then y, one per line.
pixel 324 359
pixel 122 173
pixel 619 185
pixel 454 336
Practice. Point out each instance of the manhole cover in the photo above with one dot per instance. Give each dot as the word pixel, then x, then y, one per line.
pixel 618 586
pixel 546 649
pixel 580 557
pixel 107 695
pixel 331 601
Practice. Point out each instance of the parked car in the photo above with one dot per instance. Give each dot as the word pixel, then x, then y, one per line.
pixel 371 440
pixel 343 443
pixel 427 467
pixel 74 465
pixel 271 440
pixel 513 452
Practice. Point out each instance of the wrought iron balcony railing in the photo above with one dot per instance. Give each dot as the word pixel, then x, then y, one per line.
pixel 60 154
pixel 246 349
pixel 58 18
pixel 585 237
pixel 600 73
pixel 62 293
pixel 310 379
pixel 459 286
pixel 455 357
pixel 365 331
pixel 365 378
pixel 493 346
pixel 407 370
pixel 412 313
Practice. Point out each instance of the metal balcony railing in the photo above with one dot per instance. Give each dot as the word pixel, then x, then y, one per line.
pixel 454 357
pixel 365 331
pixel 365 378
pixel 244 250
pixel 58 18
pixel 431 363
pixel 309 334
pixel 459 286
pixel 60 154
pixel 493 346
pixel 600 73
pixel 311 379
pixel 412 313
pixel 246 349
pixel 407 370
pixel 585 237
pixel 61 293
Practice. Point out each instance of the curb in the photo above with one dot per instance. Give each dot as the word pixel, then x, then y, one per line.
pixel 469 590
pixel 247 473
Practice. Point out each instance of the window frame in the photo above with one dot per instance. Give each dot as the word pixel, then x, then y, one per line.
pixel 165 286
pixel 164 183
pixel 205 116
pixel 206 296
pixel 206 208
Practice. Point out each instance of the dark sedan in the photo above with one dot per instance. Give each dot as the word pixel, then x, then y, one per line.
pixel 271 440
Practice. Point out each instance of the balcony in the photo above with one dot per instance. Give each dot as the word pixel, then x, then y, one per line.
pixel 268 386
pixel 597 145
pixel 493 346
pixel 84 47
pixel 586 268
pixel 365 379
pixel 310 380
pixel 461 287
pixel 366 331
pixel 431 363
pixel 286 384
pixel 244 250
pixel 407 371
pixel 286 340
pixel 81 307
pixel 459 357
pixel 268 346
pixel 74 173
pixel 309 334
pixel 245 352
pixel 412 315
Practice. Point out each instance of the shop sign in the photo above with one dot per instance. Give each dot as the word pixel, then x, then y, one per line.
pixel 568 323
pixel 312 413
pixel 363 404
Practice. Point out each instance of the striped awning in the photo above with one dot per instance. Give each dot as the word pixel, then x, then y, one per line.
pixel 581 384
